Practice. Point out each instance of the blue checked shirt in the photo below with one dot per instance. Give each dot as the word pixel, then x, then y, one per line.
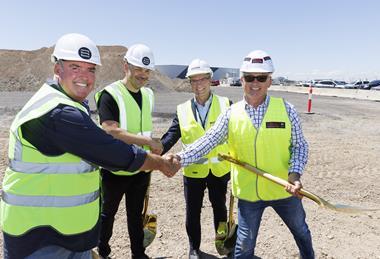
pixel 218 133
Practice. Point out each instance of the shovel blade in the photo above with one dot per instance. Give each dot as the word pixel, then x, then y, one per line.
pixel 150 229
pixel 227 245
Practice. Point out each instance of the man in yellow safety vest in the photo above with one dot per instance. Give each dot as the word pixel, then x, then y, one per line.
pixel 266 132
pixel 193 119
pixel 50 193
pixel 125 112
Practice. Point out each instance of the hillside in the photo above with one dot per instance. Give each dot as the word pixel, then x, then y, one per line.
pixel 27 70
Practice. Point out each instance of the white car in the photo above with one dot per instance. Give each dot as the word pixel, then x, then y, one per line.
pixel 340 84
pixel 359 84
pixel 325 84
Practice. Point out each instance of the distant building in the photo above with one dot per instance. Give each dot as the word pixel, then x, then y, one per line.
pixel 179 71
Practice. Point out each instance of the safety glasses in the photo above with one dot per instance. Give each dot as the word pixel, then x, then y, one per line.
pixel 250 79
pixel 200 80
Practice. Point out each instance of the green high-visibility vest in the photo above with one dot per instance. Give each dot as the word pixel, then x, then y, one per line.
pixel 267 148
pixel 191 131
pixel 61 192
pixel 131 117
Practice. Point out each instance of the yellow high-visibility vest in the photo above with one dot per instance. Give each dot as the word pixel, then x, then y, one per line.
pixel 191 131
pixel 267 148
pixel 131 118
pixel 61 192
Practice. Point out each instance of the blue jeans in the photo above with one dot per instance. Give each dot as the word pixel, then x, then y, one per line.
pixel 291 212
pixel 54 252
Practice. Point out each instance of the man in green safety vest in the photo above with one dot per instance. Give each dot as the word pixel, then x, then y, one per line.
pixel 50 193
pixel 125 112
pixel 266 132
pixel 193 119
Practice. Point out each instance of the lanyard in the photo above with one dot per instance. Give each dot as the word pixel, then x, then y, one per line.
pixel 203 122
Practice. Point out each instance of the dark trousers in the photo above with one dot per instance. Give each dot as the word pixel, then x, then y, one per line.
pixel 194 191
pixel 113 188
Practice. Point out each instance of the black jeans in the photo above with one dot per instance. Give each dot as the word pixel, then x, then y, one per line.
pixel 113 188
pixel 194 191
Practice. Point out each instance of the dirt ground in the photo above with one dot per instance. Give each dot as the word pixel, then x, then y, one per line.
pixel 343 168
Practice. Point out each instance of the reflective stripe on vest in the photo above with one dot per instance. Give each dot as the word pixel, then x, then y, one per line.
pixel 64 168
pixel 267 148
pixel 49 201
pixel 191 131
pixel 60 191
pixel 212 160
pixel 131 118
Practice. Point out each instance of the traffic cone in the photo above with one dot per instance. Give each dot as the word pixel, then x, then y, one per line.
pixel 310 96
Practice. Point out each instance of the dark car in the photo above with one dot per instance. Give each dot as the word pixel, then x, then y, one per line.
pixel 236 82
pixel 374 85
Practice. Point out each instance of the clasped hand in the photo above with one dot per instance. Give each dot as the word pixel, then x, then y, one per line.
pixel 294 185
pixel 170 164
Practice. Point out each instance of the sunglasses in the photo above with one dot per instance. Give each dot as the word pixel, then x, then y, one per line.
pixel 250 79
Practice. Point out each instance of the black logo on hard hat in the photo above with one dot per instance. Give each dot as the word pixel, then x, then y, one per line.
pixel 84 53
pixel 145 61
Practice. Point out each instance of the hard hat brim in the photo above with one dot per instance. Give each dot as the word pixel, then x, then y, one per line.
pixel 257 70
pixel 199 72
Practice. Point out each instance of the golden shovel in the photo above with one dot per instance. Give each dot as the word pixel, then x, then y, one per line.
pixel 225 244
pixel 149 223
pixel 321 202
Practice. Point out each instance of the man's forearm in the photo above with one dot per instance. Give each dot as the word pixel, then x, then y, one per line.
pixel 125 136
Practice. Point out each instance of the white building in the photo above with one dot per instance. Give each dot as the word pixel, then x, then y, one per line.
pixel 179 71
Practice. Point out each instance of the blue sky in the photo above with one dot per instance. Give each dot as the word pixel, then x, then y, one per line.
pixel 307 39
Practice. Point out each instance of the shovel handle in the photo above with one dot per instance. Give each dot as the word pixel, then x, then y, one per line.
pixel 270 177
pixel 320 201
pixel 231 219
pixel 146 199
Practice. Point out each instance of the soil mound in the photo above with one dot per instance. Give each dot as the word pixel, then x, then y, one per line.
pixel 27 70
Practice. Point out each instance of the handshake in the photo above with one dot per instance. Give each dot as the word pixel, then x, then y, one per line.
pixel 170 165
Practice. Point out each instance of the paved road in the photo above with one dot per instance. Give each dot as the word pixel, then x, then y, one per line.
pixel 166 102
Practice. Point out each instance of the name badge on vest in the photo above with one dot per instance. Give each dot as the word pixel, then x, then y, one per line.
pixel 275 124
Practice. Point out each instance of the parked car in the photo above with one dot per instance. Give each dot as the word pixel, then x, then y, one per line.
pixel 215 82
pixel 308 83
pixel 304 83
pixel 374 85
pixel 340 84
pixel 324 84
pixel 359 84
pixel 299 83
pixel 236 82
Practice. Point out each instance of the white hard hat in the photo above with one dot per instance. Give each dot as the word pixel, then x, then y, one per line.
pixel 140 55
pixel 76 47
pixel 197 67
pixel 257 61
